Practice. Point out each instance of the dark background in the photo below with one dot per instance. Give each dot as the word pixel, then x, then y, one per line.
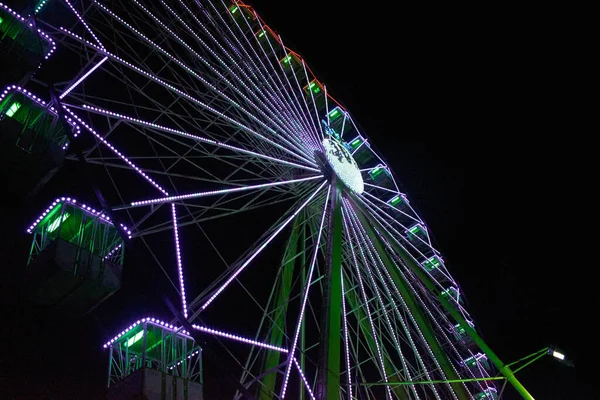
pixel 474 111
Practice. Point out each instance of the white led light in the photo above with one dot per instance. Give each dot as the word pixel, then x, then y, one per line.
pixel 558 355
pixel 306 384
pixel 343 165
pixel 238 338
pixel 273 235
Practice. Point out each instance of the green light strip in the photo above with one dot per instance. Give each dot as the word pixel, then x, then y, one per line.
pixel 431 263
pixel 233 9
pixel 135 339
pixel 471 361
pixel 414 229
pixel 335 113
pixel 486 394
pixel 314 87
pixel 459 329
pixel 376 171
pixel 13 109
pixel 56 223
pixel 395 200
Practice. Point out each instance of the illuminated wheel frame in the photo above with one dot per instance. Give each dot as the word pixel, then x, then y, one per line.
pixel 196 112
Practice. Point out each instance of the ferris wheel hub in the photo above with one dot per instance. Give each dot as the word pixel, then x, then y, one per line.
pixel 343 165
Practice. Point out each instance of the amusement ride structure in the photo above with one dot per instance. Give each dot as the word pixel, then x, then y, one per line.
pixel 195 112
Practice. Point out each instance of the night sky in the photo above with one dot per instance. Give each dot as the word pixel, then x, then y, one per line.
pixel 468 110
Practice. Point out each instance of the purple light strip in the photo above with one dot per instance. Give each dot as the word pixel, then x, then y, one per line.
pixel 195 137
pixel 346 344
pixel 310 392
pixel 127 230
pixel 382 188
pixel 179 263
pixel 273 235
pixel 156 185
pixel 188 97
pixel 179 331
pixel 84 24
pixel 41 102
pixel 83 207
pixel 218 192
pixel 305 297
pixel 152 321
pixel 44 35
pixel 110 253
pixel 49 39
pixel 26 93
pixel 188 357
pixel 73 86
pixel 117 152
pixel 239 338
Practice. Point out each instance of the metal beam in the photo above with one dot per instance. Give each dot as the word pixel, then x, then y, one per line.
pixel 272 359
pixel 496 378
pixel 328 381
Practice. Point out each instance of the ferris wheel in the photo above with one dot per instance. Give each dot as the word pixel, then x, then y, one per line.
pixel 201 120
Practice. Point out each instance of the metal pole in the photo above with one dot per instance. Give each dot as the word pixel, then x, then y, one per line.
pixel 428 282
pixel 110 362
pixel 542 351
pixel 526 364
pixel 328 380
pixel 163 358
pixel 496 378
pixel 143 367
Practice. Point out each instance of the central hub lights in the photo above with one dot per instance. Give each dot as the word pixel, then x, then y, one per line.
pixel 343 165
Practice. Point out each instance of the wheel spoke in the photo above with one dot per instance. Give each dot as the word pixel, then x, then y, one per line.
pixel 245 264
